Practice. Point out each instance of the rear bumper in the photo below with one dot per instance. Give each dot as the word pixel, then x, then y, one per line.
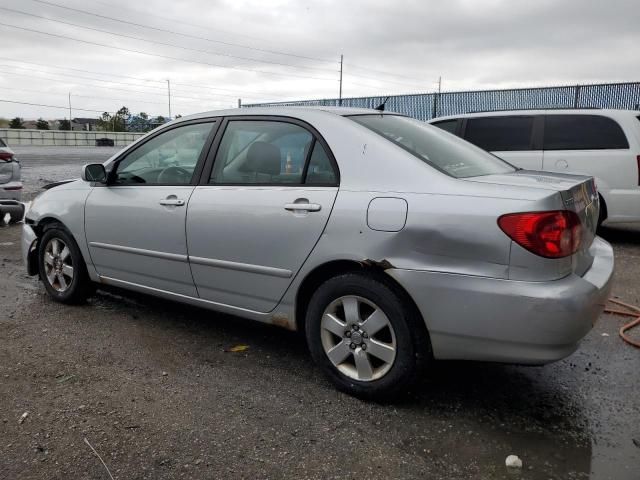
pixel 478 318
pixel 11 191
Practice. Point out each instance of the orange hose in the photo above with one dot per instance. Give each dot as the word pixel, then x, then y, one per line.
pixel 635 313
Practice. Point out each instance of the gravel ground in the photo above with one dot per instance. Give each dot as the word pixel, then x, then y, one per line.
pixel 150 386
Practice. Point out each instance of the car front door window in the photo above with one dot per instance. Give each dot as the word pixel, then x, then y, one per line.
pixel 168 159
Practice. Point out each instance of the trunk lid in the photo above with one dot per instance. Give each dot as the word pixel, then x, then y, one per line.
pixel 577 193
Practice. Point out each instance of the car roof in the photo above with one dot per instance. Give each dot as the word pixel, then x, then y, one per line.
pixel 609 112
pixel 288 111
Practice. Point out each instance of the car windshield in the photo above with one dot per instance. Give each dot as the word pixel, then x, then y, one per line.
pixel 439 149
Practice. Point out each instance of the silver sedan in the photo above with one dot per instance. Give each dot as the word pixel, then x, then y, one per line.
pixel 388 242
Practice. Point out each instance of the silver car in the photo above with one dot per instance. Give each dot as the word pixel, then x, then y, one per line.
pixel 10 185
pixel 387 241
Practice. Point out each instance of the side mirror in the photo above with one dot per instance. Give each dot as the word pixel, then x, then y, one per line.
pixel 94 172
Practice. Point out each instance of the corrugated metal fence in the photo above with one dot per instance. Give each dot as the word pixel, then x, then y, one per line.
pixel 425 106
pixel 64 137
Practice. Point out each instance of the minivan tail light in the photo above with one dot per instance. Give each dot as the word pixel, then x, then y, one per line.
pixel 553 234
pixel 8 156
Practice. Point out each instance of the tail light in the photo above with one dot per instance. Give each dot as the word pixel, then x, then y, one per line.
pixel 553 234
pixel 8 156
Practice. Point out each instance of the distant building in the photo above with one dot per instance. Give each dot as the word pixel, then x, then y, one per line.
pixel 84 124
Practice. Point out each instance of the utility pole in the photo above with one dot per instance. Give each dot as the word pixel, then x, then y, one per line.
pixel 341 59
pixel 70 127
pixel 436 99
pixel 239 103
pixel 169 92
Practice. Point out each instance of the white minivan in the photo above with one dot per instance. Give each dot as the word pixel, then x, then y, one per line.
pixel 604 144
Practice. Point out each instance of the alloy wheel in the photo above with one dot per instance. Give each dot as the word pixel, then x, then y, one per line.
pixel 58 265
pixel 358 338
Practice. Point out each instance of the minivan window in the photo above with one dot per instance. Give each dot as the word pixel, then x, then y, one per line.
pixel 447 125
pixel 500 134
pixel 582 132
pixel 446 153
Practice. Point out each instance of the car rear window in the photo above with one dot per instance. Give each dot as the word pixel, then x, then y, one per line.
pixel 500 134
pixel 447 153
pixel 582 132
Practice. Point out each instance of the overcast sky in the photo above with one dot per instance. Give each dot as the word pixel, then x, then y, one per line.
pixel 274 50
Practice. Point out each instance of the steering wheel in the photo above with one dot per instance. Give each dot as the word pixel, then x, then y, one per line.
pixel 169 175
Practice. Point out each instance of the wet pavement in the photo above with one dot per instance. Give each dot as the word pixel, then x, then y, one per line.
pixel 149 384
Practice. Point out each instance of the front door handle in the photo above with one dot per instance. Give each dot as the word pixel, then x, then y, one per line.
pixel 174 202
pixel 307 207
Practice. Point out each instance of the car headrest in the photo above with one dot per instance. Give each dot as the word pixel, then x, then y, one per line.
pixel 262 157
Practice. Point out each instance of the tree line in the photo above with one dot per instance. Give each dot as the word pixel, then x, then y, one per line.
pixel 120 121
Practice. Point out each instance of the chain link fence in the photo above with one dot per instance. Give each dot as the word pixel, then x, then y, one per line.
pixel 425 106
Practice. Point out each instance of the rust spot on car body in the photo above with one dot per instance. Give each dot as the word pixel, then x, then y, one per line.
pixel 282 320
pixel 381 264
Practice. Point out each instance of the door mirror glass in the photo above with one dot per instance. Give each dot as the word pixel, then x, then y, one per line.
pixel 94 172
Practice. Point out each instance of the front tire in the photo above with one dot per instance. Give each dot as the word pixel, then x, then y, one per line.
pixel 61 266
pixel 365 336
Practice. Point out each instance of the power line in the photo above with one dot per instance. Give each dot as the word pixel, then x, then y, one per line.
pixel 49 106
pixel 275 52
pixel 201 99
pixel 2 87
pixel 166 44
pixel 208 28
pixel 83 77
pixel 189 36
pixel 241 92
pixel 160 89
pixel 88 42
pixel 382 72
pixel 204 96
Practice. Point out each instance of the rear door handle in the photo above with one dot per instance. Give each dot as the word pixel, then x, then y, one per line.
pixel 308 207
pixel 175 202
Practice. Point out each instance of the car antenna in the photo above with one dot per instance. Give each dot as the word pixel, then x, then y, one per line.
pixel 380 107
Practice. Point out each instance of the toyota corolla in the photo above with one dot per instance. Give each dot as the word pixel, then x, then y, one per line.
pixel 388 242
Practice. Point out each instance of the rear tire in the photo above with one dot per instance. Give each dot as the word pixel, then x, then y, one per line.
pixel 366 336
pixel 602 214
pixel 17 218
pixel 61 266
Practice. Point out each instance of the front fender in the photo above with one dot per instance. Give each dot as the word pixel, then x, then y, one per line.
pixel 64 204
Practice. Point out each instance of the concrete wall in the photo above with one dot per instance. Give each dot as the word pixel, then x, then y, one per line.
pixel 64 137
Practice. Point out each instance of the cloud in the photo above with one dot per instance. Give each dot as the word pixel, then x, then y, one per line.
pixel 471 44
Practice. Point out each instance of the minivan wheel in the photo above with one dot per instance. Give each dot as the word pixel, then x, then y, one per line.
pixel 364 336
pixel 61 266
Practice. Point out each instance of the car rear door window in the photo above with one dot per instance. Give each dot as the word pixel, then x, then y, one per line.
pixel 261 152
pixel 500 134
pixel 582 132
pixel 320 171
